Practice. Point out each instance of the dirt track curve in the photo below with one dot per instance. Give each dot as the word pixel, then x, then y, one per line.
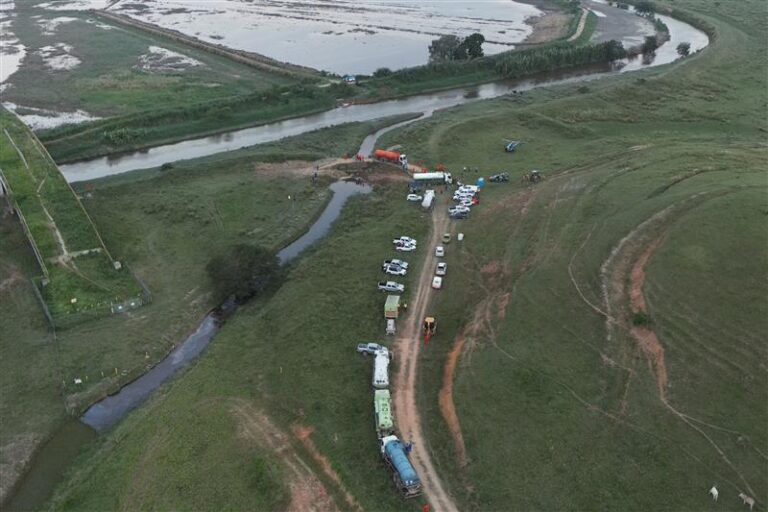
pixel 407 347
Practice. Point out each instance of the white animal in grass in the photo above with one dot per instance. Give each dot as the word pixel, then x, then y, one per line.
pixel 714 493
pixel 747 500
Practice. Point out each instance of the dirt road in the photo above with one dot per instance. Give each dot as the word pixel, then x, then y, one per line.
pixel 407 349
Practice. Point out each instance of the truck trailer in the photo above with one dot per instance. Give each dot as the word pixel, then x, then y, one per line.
pixel 403 474
pixel 382 412
pixel 433 178
pixel 381 370
pixel 392 306
pixel 390 156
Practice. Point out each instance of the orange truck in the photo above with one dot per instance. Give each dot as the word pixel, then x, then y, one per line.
pixel 389 156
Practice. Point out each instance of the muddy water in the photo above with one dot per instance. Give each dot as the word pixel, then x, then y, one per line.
pixel 425 103
pixel 48 466
pixel 355 37
pixel 50 463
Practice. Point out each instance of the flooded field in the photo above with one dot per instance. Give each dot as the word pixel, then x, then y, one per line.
pixel 344 36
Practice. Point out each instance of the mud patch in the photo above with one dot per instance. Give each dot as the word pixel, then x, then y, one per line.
pixel 447 405
pixel 307 491
pixel 14 457
pixel 304 434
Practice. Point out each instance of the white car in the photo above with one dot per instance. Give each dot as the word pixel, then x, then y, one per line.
pixel 439 251
pixel 370 348
pixel 406 247
pixel 394 270
pixel 437 283
pixel 399 263
pixel 469 188
pixel 391 286
pixel 413 197
pixel 442 269
pixel 404 240
pixel 459 208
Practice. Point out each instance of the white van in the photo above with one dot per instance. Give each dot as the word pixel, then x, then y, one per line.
pixel 390 326
pixel 381 371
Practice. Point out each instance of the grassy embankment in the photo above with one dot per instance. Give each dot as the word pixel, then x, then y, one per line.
pixel 145 108
pixel 142 106
pixel 167 225
pixel 79 277
pixel 553 415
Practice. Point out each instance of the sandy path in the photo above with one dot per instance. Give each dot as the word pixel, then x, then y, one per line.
pixel 407 347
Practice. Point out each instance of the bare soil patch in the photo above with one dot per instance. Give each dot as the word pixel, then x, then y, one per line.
pixel 307 491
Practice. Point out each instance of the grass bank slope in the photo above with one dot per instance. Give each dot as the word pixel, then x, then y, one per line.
pixel 79 278
pixel 653 213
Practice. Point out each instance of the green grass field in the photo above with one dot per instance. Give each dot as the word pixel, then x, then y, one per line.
pixel 109 80
pixel 78 272
pixel 554 414
pixel 540 390
pixel 167 225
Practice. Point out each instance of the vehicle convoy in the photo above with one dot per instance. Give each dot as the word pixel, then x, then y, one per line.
pixel 441 269
pixel 439 251
pixel 403 473
pixel 429 200
pixel 432 178
pixel 392 306
pixel 390 156
pixel 381 370
pixel 437 282
pixel 382 413
pixel 391 286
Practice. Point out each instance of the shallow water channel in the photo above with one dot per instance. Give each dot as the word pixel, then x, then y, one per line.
pixel 55 456
pixel 427 104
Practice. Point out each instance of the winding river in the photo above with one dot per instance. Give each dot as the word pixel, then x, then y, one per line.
pixel 427 104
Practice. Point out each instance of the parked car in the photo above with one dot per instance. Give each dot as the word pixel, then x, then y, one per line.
pixel 370 348
pixel 437 283
pixel 399 263
pixel 405 247
pixel 459 215
pixel 442 268
pixel 391 329
pixel 413 197
pixel 391 286
pixel 459 208
pixel 439 251
pixel 394 270
pixel 463 195
pixel 469 188
pixel 404 240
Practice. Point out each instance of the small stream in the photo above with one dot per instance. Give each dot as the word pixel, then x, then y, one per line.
pixel 56 455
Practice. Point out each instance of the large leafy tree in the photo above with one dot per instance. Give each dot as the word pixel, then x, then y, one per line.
pixel 243 271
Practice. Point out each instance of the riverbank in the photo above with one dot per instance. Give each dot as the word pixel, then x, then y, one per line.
pixel 186 215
